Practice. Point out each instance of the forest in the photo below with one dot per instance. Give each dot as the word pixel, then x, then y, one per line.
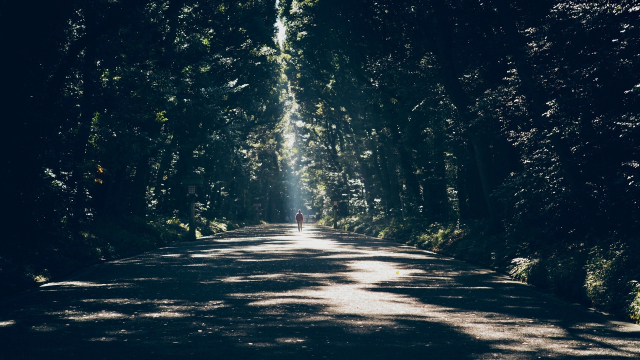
pixel 505 133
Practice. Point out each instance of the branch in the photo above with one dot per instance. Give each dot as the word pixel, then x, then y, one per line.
pixel 117 15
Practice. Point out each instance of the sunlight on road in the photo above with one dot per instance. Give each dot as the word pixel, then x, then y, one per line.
pixel 78 284
pixel 7 323
pixel 271 287
pixel 362 296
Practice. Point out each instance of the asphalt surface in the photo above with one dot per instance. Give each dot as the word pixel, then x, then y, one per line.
pixel 274 293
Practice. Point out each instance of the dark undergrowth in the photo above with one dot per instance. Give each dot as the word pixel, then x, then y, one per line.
pixel 56 255
pixel 601 273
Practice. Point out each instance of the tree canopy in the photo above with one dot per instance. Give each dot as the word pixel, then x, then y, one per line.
pixel 516 116
pixel 114 103
pixel 510 127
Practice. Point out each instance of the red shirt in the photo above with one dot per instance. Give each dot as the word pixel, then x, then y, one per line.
pixel 299 217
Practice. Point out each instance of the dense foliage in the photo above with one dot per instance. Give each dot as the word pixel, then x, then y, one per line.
pixel 502 131
pixel 505 132
pixel 112 105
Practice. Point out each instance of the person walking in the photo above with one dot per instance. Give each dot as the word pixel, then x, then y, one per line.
pixel 299 220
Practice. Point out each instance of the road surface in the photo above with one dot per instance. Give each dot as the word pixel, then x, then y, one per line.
pixel 273 293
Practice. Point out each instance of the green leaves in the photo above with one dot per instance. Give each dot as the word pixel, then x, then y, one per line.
pixel 147 93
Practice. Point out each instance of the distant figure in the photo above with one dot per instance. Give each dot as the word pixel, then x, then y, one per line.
pixel 299 220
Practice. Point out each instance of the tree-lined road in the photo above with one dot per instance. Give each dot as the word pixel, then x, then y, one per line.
pixel 270 292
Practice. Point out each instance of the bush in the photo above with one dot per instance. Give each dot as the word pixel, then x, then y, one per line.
pixel 612 279
pixel 522 269
pixel 115 238
pixel 435 237
pixel 634 307
pixel 361 224
pixel 565 275
pixel 212 227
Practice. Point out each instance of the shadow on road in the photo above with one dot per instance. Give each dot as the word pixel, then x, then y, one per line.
pixel 271 292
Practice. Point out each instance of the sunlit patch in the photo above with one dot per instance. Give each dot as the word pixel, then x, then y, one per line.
pixel 161 301
pixel 102 315
pixel 209 255
pixel 45 328
pixel 374 253
pixel 480 326
pixel 83 284
pixel 211 305
pixel 166 314
pixel 174 308
pixel 504 281
pixel 127 261
pixel 369 272
pixel 589 326
pixel 236 279
pixel 259 344
pixel 263 260
pixel 283 238
pixel 290 340
pixel 625 327
pixel 172 255
pixel 475 288
pixel 620 344
pixel 169 308
pixel 274 311
pixel 122 332
pixel 375 323
pixel 350 299
pixel 7 323
pixel 115 301
pixel 230 240
pixel 561 346
pixel 104 339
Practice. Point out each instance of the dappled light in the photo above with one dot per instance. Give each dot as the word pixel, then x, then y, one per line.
pixel 501 132
pixel 321 292
pixel 72 284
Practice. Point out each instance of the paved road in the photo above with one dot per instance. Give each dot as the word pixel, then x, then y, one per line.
pixel 273 293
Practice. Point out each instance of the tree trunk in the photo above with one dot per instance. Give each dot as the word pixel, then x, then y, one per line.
pixel 436 196
pixel 388 181
pixel 408 171
pixel 483 161
pixel 462 102
pixel 138 196
pixel 81 139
